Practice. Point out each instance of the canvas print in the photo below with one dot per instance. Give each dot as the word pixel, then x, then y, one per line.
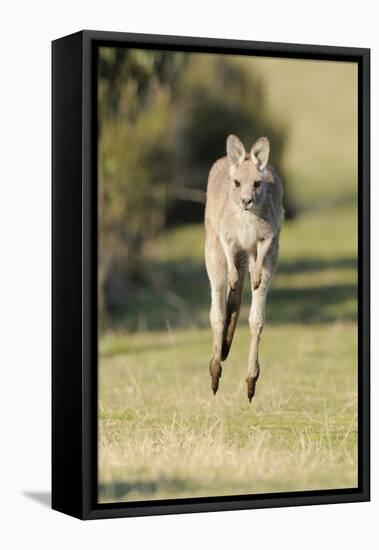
pixel 227 274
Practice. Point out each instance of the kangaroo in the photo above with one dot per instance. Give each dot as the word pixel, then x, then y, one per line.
pixel 243 217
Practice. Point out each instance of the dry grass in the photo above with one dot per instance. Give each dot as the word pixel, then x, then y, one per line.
pixel 163 434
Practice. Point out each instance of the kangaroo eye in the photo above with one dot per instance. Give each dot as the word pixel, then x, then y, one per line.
pixel 257 184
pixel 237 183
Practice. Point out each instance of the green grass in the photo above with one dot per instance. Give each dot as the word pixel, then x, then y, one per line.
pixel 317 101
pixel 315 280
pixel 164 435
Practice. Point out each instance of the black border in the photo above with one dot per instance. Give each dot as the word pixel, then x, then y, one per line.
pixel 74 422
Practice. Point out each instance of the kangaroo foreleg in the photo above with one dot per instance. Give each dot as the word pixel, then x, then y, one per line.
pixel 231 265
pixel 256 261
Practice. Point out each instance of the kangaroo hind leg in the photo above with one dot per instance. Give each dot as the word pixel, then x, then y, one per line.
pixel 233 304
pixel 258 315
pixel 217 273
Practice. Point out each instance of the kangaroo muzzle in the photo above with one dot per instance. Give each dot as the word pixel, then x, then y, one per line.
pixel 247 202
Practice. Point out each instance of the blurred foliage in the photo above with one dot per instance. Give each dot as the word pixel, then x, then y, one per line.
pixel 136 89
pixel 163 120
pixel 219 96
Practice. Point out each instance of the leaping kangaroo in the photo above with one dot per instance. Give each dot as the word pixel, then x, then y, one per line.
pixel 243 217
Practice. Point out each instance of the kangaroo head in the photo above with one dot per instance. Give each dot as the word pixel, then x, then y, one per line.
pixel 247 171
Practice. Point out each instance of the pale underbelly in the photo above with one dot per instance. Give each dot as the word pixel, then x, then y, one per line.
pixel 246 240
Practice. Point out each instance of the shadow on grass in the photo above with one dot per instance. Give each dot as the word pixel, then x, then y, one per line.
pixel 124 346
pixel 178 295
pixel 307 265
pixel 312 305
pixel 141 489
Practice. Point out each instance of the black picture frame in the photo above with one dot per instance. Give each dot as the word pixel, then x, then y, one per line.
pixel 74 274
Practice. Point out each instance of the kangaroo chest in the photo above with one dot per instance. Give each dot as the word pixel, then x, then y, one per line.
pixel 244 233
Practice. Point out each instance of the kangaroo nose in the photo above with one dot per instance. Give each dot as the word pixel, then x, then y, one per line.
pixel 246 201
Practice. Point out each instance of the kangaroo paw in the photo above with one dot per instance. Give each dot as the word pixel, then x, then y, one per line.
pixel 233 279
pixel 256 282
pixel 215 370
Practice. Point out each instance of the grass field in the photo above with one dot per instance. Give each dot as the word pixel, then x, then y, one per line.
pixel 318 102
pixel 162 432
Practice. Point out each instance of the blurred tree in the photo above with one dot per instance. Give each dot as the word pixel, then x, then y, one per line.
pixel 136 140
pixel 221 96
pixel 163 120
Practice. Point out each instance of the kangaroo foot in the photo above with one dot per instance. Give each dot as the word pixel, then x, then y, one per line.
pixel 215 370
pixel 251 383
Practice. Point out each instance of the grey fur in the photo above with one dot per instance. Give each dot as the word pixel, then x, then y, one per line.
pixel 243 217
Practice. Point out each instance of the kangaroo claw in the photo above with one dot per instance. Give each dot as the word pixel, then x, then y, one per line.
pixel 251 383
pixel 256 283
pixel 215 370
pixel 233 280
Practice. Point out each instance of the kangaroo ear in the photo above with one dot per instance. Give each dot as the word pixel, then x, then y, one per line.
pixel 235 150
pixel 260 152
